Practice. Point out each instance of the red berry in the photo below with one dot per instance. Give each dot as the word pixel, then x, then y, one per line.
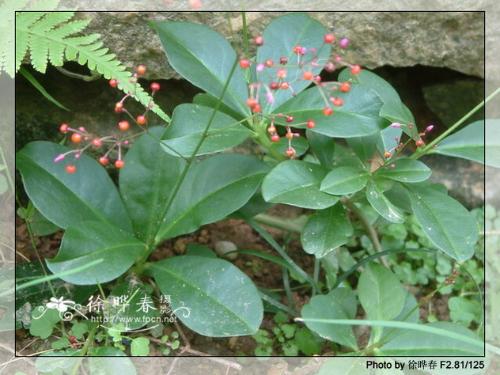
pixel 289 135
pixel 355 69
pixel 290 152
pixel 338 102
pixel 104 160
pixel 317 79
pixel 308 76
pixel 113 83
pixel 119 164
pixel 269 63
pixel 76 138
pixel 329 38
pixel 70 168
pixel 281 73
pixel 245 63
pixel 119 107
pixel 283 60
pixel 271 129
pixel 141 120
pixel 289 118
pixel 420 143
pixel 155 86
pixel 284 86
pixel 251 102
pixel 63 128
pixel 256 108
pixel 327 111
pixel 141 69
pixel 345 87
pixel 298 50
pixel 123 125
pixel 274 85
pixel 310 124
pixel 275 138
pixel 97 142
pixel 258 40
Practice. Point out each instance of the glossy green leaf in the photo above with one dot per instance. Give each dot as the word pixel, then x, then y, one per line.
pixel 344 180
pixel 188 125
pixel 326 230
pixel 382 205
pixel 449 226
pixel 296 183
pixel 280 37
pixel 43 321
pixel 358 117
pixel 393 108
pixel 380 293
pixel 415 343
pixel 92 240
pixel 210 296
pixel 147 181
pixel 340 303
pixel 68 199
pixel 405 170
pixel 322 147
pixel 467 143
pixel 208 100
pixel 204 58
pixel 410 314
pixel 213 189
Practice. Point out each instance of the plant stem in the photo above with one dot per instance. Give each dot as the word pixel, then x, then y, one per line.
pixel 317 264
pixel 288 291
pixel 370 229
pixel 85 349
pixel 245 33
pixel 429 147
pixel 278 222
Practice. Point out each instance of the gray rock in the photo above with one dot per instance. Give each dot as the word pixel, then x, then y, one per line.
pixel 222 248
pixel 441 39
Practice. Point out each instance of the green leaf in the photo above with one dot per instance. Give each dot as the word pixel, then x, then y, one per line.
pixel 467 143
pixel 43 323
pixel 213 189
pixel 78 329
pixel 382 205
pixel 210 296
pixel 39 224
pixel 323 148
pixel 464 310
pixel 104 362
pixel 358 116
pixel 414 343
pixel 187 127
pixel 340 303
pixel 299 144
pixel 208 100
pixel 380 293
pixel 280 37
pixel 68 199
pixel 326 230
pixel 344 180
pixel 147 181
pixel 405 170
pixel 449 226
pixel 204 58
pixel 89 241
pixel 392 109
pixel 410 314
pixel 139 347
pixel 296 183
pixel 307 342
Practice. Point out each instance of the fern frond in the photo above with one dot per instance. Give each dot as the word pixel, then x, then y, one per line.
pixel 53 37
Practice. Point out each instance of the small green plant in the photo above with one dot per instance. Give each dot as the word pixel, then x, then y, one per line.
pixel 348 150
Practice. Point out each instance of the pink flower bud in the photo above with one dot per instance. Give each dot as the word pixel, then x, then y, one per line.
pixel 344 43
pixel 303 50
pixel 77 155
pixel 260 67
pixel 396 125
pixel 58 158
pixel 429 128
pixel 270 98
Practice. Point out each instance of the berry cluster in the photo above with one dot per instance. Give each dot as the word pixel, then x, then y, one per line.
pixel 400 146
pixel 307 59
pixel 109 146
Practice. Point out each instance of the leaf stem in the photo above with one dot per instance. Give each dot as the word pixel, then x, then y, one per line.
pixel 280 223
pixel 430 146
pixel 370 229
